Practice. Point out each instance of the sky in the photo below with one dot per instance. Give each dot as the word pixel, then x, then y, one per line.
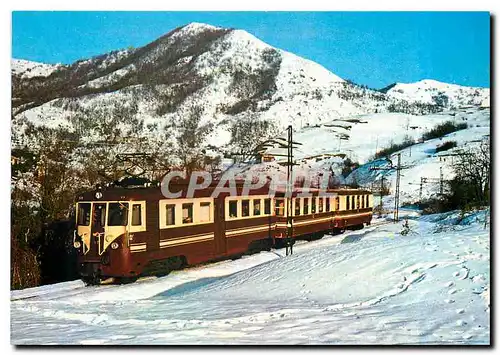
pixel 369 48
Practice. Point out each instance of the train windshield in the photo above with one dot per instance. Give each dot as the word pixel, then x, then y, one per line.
pixel 118 214
pixel 83 214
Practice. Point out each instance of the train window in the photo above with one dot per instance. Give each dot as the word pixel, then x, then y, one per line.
pixel 233 209
pixel 320 204
pixel 205 212
pixel 136 215
pixel 363 201
pixel 256 207
pixel 297 206
pixel 267 206
pixel 347 203
pixel 170 215
pixel 187 213
pixel 357 202
pixel 327 204
pixel 352 202
pixel 245 208
pixel 313 205
pixel 306 206
pixel 280 207
pixel 99 218
pixel 83 214
pixel 118 214
pixel 337 203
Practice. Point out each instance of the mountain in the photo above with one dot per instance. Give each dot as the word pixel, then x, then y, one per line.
pixel 28 69
pixel 443 94
pixel 228 76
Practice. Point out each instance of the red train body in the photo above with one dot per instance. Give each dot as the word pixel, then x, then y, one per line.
pixel 125 233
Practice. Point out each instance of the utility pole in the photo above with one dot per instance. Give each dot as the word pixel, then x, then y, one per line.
pixel 422 180
pixel 381 193
pixel 396 199
pixel 289 189
pixel 398 177
pixel 440 180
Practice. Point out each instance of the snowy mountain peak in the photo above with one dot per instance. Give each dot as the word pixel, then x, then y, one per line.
pixel 28 69
pixel 195 28
pixel 434 92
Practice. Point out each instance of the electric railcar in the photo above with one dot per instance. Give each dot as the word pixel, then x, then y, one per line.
pixel 124 232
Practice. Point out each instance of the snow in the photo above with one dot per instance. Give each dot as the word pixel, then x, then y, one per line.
pixel 28 69
pixel 373 286
pixel 424 91
pixel 110 78
pixel 306 95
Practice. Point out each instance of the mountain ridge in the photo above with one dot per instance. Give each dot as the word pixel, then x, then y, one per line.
pixel 229 74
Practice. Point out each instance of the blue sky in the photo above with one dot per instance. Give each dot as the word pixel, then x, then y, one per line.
pixel 370 48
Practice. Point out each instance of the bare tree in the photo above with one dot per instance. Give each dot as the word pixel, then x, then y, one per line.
pixel 248 133
pixel 190 137
pixel 471 185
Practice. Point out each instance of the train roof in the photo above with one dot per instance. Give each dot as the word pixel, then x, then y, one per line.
pixel 142 189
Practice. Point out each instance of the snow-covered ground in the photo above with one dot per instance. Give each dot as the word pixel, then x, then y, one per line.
pixel 373 286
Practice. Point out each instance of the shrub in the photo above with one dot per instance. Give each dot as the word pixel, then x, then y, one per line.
pixel 349 166
pixel 443 129
pixel 446 146
pixel 408 141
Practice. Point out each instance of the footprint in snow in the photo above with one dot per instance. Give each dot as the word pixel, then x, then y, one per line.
pixel 449 301
pixel 460 311
pixel 461 323
pixel 452 291
pixel 449 284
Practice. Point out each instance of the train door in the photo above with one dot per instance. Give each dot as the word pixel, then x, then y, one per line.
pixel 219 226
pixel 98 227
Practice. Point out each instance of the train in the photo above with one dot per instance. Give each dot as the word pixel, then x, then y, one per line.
pixel 124 232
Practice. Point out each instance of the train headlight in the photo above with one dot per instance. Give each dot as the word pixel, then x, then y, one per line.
pixel 114 245
pixel 109 238
pixel 77 245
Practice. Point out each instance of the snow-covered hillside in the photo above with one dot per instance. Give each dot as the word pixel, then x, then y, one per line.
pixel 436 92
pixel 29 69
pixel 228 73
pixel 373 286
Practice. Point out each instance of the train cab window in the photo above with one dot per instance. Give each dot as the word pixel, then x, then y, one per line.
pixel 233 209
pixel 280 207
pixel 256 207
pixel 245 208
pixel 267 206
pixel 337 203
pixel 313 205
pixel 205 212
pixel 297 207
pixel 187 213
pixel 99 216
pixel 136 215
pixel 118 214
pixel 320 204
pixel 306 206
pixel 366 202
pixel 170 209
pixel 83 216
pixel 348 203
pixel 327 204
